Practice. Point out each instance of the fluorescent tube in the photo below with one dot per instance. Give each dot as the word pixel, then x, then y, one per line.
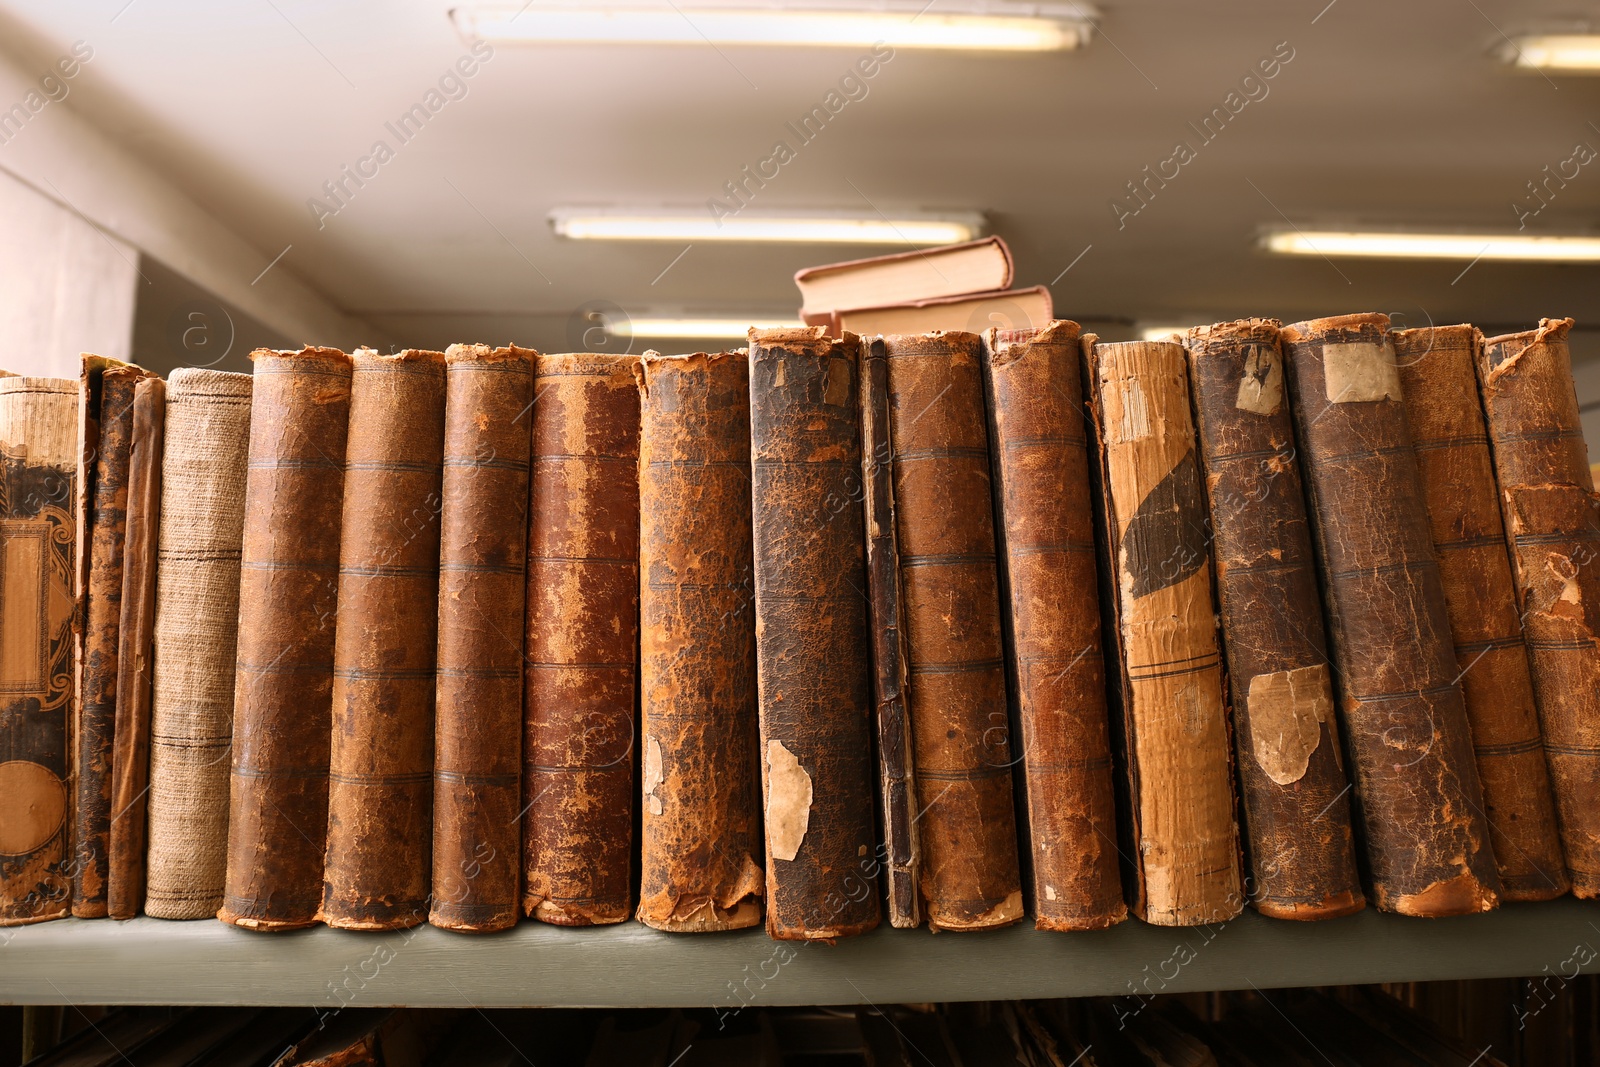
pixel 702 226
pixel 1555 51
pixel 1379 245
pixel 690 328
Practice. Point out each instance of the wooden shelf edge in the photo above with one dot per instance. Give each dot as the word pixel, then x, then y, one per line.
pixel 152 961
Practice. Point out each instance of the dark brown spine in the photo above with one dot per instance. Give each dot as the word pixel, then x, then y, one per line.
pixel 900 851
pixel 380 764
pixel 813 679
pixel 130 762
pixel 1046 523
pixel 1438 375
pixel 1285 734
pixel 1183 837
pixel 97 706
pixel 1552 523
pixel 700 866
pixel 477 770
pixel 583 641
pixel 288 589
pixel 1416 784
pixel 950 583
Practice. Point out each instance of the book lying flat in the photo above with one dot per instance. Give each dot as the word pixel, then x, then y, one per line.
pixel 1005 309
pixel 921 274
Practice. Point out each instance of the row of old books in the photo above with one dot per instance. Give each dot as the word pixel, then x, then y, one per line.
pixel 919 625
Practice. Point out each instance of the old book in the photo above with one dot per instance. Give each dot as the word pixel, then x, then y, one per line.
pixel 380 764
pixel 813 680
pixel 483 542
pixel 1552 522
pixel 1286 740
pixel 1438 378
pixel 1417 796
pixel 288 589
pixel 1046 527
pixel 38 532
pixel 955 661
pixel 1183 839
pixel 130 750
pixel 197 616
pixel 580 747
pixel 104 468
pixel 1012 309
pixel 700 844
pixel 899 861
pixel 977 266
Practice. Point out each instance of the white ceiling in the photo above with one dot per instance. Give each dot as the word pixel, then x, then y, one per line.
pixel 1388 113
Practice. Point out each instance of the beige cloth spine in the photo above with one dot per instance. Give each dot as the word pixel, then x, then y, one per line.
pixel 197 616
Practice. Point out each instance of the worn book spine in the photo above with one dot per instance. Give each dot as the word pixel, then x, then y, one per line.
pixel 700 844
pixel 899 854
pixel 95 725
pixel 1417 796
pixel 288 589
pixel 206 447
pixel 1437 367
pixel 1552 524
pixel 130 753
pixel 950 582
pixel 1046 526
pixel 1183 836
pixel 483 543
pixel 1292 779
pixel 580 750
pixel 813 680
pixel 38 535
pixel 380 764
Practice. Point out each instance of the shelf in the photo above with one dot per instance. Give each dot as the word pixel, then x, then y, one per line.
pixel 152 961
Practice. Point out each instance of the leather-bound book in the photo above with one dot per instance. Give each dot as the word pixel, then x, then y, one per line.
pixel 288 590
pixel 949 580
pixel 1292 778
pixel 207 445
pixel 1046 526
pixel 1552 523
pixel 38 537
pixel 1438 377
pixel 1182 836
pixel 814 683
pixel 580 745
pixel 700 844
pixel 483 542
pixel 130 751
pixel 1418 801
pixel 899 854
pixel 109 386
pixel 380 764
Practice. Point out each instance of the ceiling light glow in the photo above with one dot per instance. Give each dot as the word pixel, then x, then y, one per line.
pixel 1571 52
pixel 692 328
pixel 584 225
pixel 1379 245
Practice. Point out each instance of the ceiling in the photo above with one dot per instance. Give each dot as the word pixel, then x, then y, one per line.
pixel 1389 114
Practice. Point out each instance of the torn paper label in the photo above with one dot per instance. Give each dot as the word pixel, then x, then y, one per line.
pixel 1287 710
pixel 652 774
pixel 788 802
pixel 1355 371
pixel 1261 388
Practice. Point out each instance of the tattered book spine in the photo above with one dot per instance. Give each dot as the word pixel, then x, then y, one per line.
pixel 1041 461
pixel 1416 783
pixel 1285 733
pixel 700 845
pixel 288 589
pixel 900 851
pixel 477 773
pixel 1184 838
pixel 970 877
pixel 580 748
pixel 207 445
pixel 380 764
pixel 1552 522
pixel 1438 377
pixel 38 536
pixel 813 679
pixel 130 762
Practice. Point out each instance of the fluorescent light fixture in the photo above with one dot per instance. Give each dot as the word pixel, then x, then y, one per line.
pixel 1380 245
pixel 1555 51
pixel 692 328
pixel 583 225
pixel 1162 333
pixel 990 26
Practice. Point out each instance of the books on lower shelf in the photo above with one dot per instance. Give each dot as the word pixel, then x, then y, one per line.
pixel 944 628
